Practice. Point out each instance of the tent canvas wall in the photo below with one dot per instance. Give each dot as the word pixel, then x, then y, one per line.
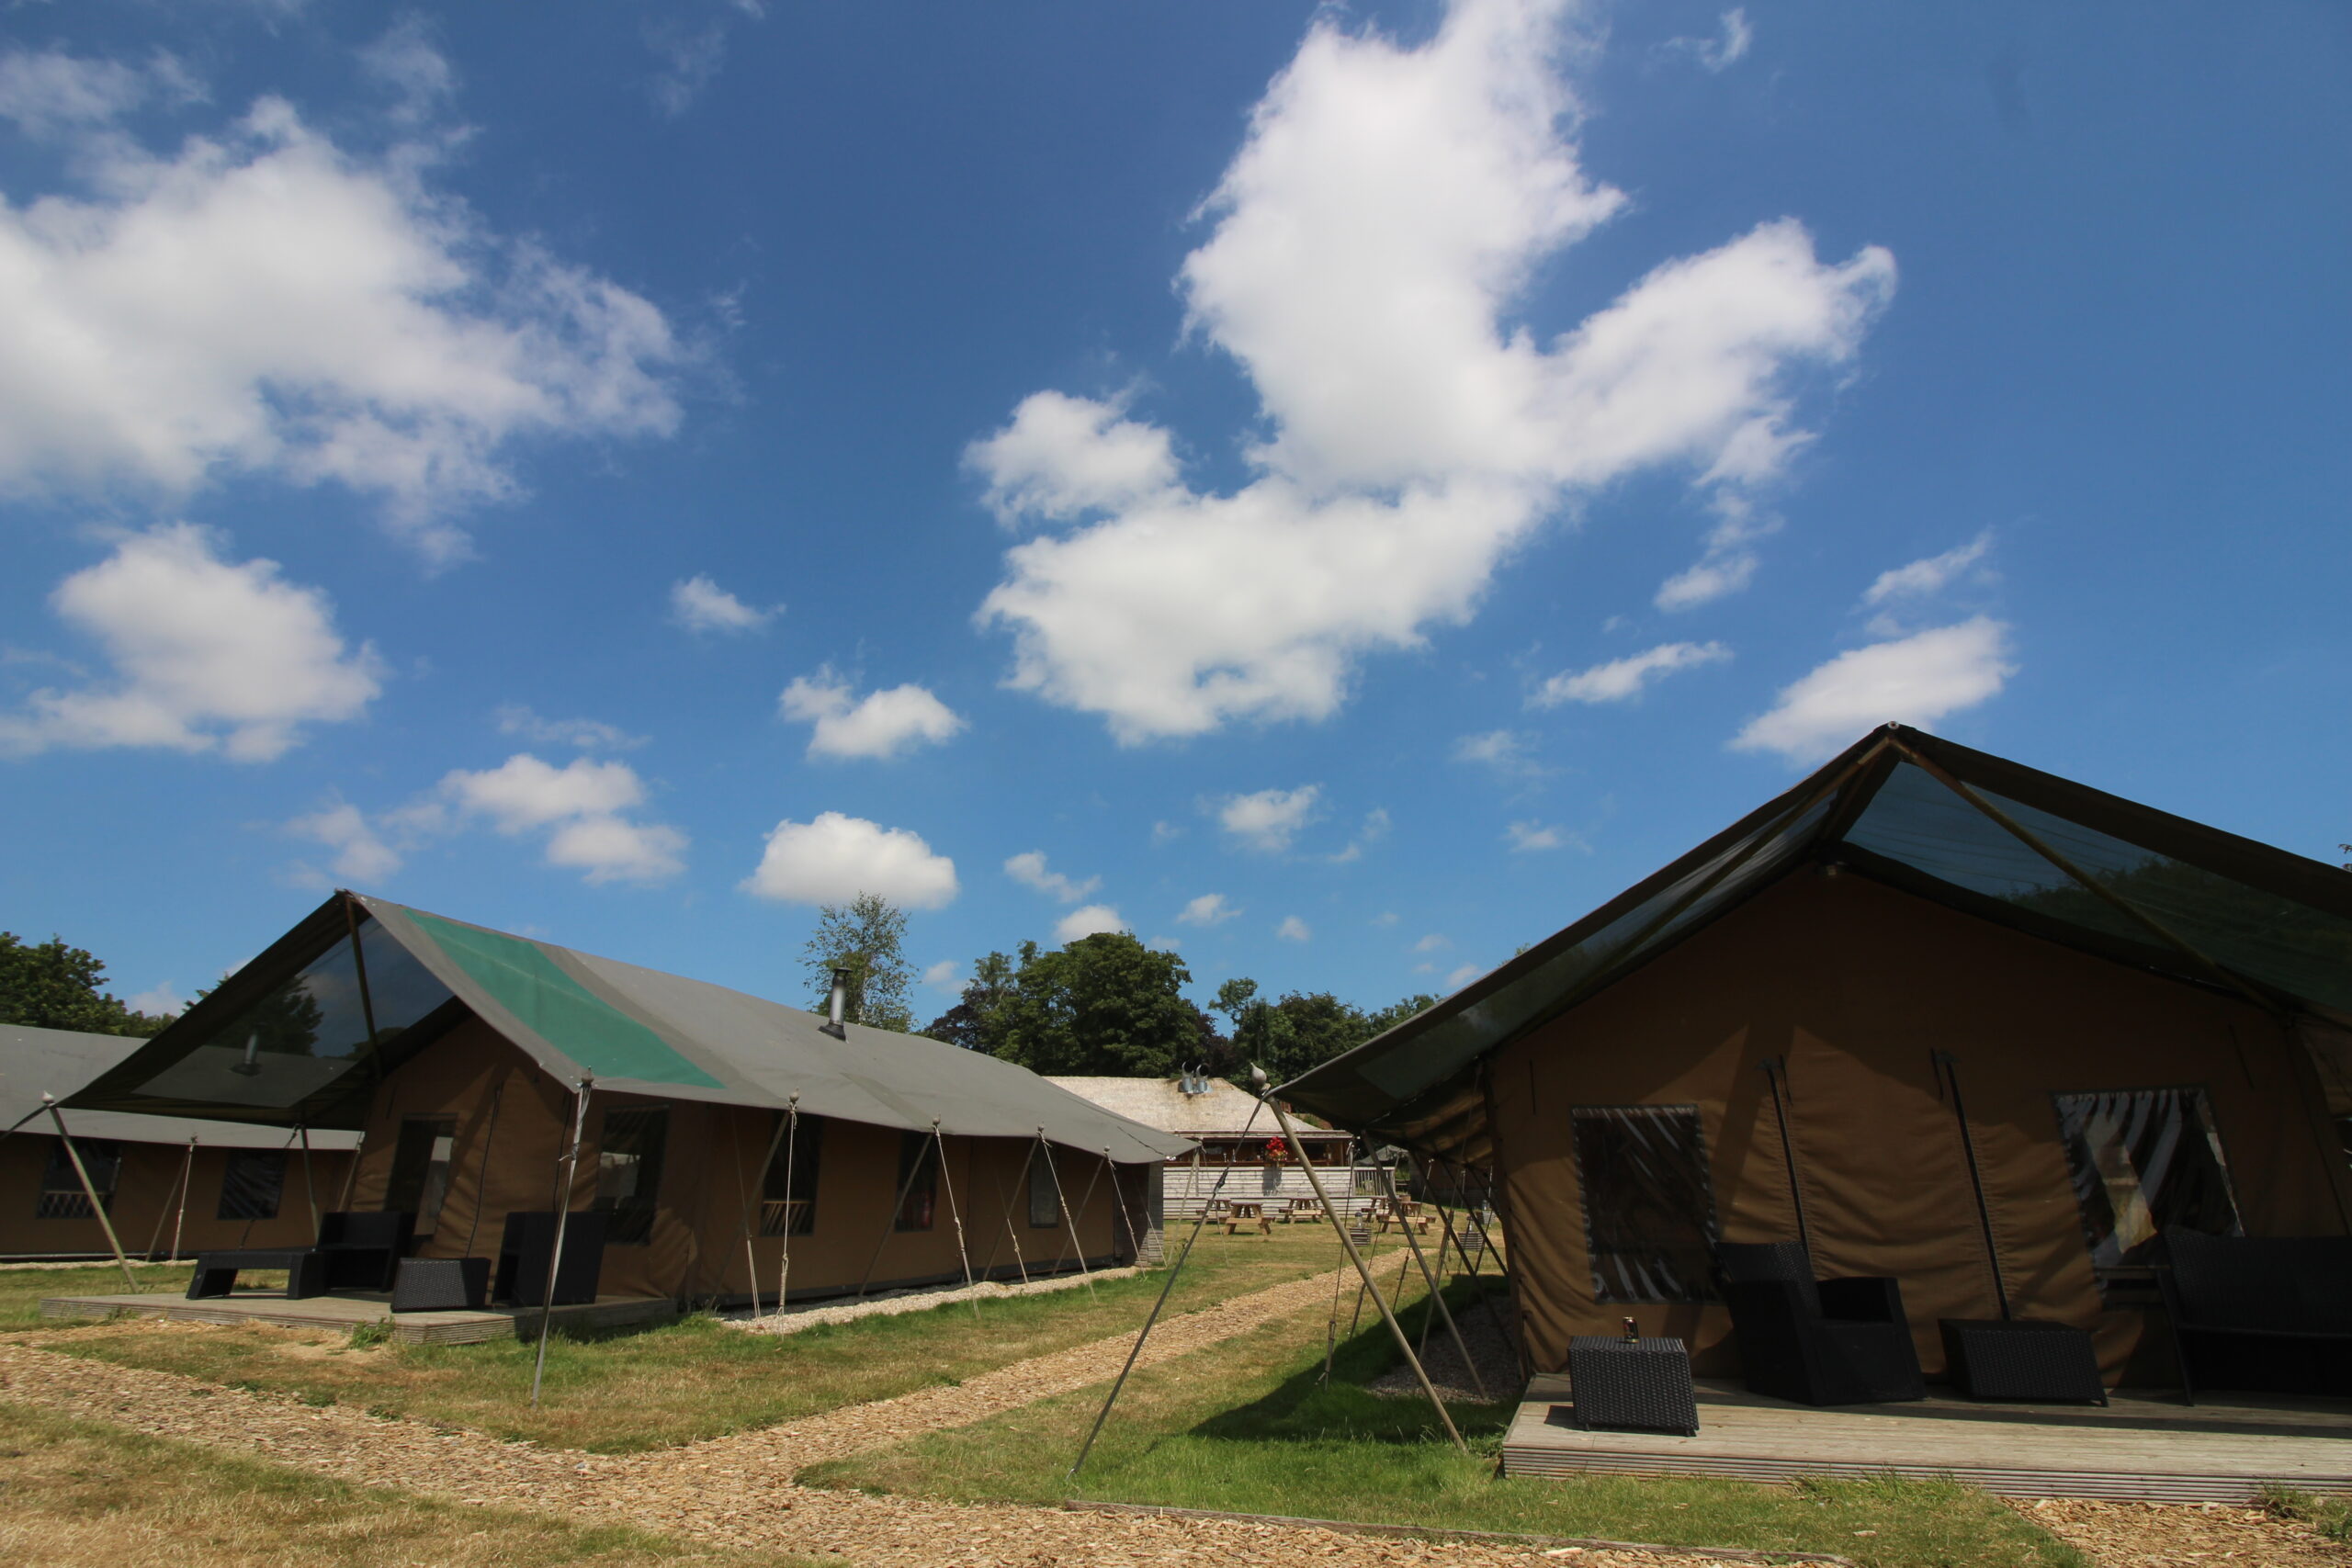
pixel 245 1185
pixel 457 1051
pixel 2146 1018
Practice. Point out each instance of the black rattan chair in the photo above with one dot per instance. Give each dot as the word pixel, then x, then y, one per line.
pixel 2269 1315
pixel 1817 1341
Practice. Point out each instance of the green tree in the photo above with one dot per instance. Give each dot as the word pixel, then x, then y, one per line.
pixel 1303 1030
pixel 56 987
pixel 970 1021
pixel 865 936
pixel 1104 1005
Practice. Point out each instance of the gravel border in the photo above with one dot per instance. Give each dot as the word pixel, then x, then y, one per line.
pixel 892 1303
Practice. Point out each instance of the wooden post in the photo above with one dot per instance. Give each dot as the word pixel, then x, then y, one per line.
pixel 563 1213
pixel 91 1193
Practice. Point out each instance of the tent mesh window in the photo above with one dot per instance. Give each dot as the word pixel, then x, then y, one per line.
pixel 420 1169
pixel 628 1172
pixel 1045 1199
pixel 2144 1161
pixel 62 1197
pixel 252 1184
pixel 1649 1210
pixel 919 1156
pixel 798 1157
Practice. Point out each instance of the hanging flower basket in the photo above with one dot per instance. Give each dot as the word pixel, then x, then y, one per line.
pixel 1276 1152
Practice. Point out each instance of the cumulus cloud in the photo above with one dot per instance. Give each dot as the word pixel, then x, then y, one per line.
pixel 701 605
pixel 583 807
pixel 406 64
pixel 1371 242
pixel 1087 921
pixel 1622 679
pixel 1268 819
pixel 264 302
pixel 944 976
pixel 1921 578
pixel 206 653
pixel 360 852
pixel 1504 750
pixel 1293 928
pixel 1527 837
pixel 881 725
pixel 157 1000
pixel 1029 870
pixel 52 93
pixel 1432 943
pixel 587 734
pixel 1728 564
pixel 835 858
pixel 1734 37
pixel 1375 827
pixel 1914 680
pixel 1208 910
pixel 1462 976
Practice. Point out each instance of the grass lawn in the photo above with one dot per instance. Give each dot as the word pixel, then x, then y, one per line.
pixel 80 1495
pixel 696 1378
pixel 21 1290
pixel 1244 1427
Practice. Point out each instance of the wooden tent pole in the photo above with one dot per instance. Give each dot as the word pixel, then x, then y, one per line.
pixel 310 1187
pixel 1019 1188
pixel 890 1223
pixel 351 1171
pixel 1053 1169
pixel 188 1180
pixel 155 1236
pixel 1135 1352
pixel 90 1191
pixel 563 1215
pixel 956 1214
pixel 1437 1291
pixel 1444 1239
pixel 1119 1207
pixel 1396 1330
pixel 791 1167
pixel 758 1194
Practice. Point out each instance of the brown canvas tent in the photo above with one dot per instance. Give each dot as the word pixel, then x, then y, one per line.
pixel 2150 1019
pixel 719 1125
pixel 164 1180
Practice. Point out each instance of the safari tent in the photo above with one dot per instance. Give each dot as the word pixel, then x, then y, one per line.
pixel 166 1181
pixel 1921 960
pixel 716 1127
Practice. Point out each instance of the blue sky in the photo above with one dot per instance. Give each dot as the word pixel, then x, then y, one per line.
pixel 1340 490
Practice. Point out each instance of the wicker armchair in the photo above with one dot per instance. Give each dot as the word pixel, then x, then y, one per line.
pixel 1817 1341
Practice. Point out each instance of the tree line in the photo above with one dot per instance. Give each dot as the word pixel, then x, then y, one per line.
pixel 1102 1005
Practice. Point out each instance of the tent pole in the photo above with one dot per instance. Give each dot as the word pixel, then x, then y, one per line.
pixel 481 1182
pixel 791 1167
pixel 1199 1220
pixel 351 1171
pixel 889 1223
pixel 1020 1186
pixel 91 1193
pixel 310 1187
pixel 1444 1239
pixel 1119 1207
pixel 366 999
pixel 1396 1330
pixel 1086 1201
pixel 1331 1327
pixel 1437 1291
pixel 758 1193
pixel 155 1236
pixel 188 1180
pixel 956 1214
pixel 1776 1072
pixel 563 1213
pixel 1948 1069
pixel 1053 1169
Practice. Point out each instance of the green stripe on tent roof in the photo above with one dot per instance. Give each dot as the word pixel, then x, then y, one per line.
pixel 562 1011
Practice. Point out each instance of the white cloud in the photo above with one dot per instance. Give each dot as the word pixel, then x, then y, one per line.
pixel 1431 942
pixel 1208 910
pixel 1622 679
pixel 53 93
pixel 1293 928
pixel 1161 832
pixel 1732 38
pixel 266 302
pixel 405 63
pixel 361 855
pixel 1372 240
pixel 1387 918
pixel 1913 680
pixel 1063 456
pixel 1933 575
pixel 205 654
pixel 944 976
pixel 1087 921
pixel 157 1000
pixel 1527 837
pixel 1267 820
pixel 1505 751
pixel 1462 976
pixel 583 805
pixel 835 858
pixel 1029 870
pixel 1729 561
pixel 1375 827
pixel 587 734
pixel 881 725
pixel 701 605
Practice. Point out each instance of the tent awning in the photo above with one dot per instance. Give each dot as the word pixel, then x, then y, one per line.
pixel 303 1033
pixel 2026 849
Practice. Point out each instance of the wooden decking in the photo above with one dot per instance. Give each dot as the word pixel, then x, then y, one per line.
pixel 348 1309
pixel 2138 1447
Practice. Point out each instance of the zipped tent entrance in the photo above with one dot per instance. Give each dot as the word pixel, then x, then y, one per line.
pixel 304 1033
pixel 2025 848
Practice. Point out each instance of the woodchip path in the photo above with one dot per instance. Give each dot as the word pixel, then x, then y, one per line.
pixel 737 1490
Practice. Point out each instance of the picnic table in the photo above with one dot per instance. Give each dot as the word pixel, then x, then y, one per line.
pixel 1242 1211
pixel 1403 1212
pixel 1302 1209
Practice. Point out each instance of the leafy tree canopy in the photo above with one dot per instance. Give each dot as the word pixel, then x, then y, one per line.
pixel 1104 1005
pixel 56 987
pixel 1303 1030
pixel 865 936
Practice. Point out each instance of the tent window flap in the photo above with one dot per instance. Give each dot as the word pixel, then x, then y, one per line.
pixel 628 1172
pixel 253 1184
pixel 1649 1209
pixel 62 1197
pixel 1044 1197
pixel 2144 1161
pixel 798 1158
pixel 420 1169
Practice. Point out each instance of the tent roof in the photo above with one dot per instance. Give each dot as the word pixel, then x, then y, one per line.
pixel 1225 1110
pixel 2026 849
pixel 56 1061
pixel 628 1028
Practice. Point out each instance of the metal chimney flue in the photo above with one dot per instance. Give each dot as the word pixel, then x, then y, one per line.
pixel 837 1006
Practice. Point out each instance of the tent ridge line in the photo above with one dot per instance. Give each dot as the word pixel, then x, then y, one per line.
pixel 2033 841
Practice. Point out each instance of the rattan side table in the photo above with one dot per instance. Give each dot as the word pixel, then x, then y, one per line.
pixel 1641 1385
